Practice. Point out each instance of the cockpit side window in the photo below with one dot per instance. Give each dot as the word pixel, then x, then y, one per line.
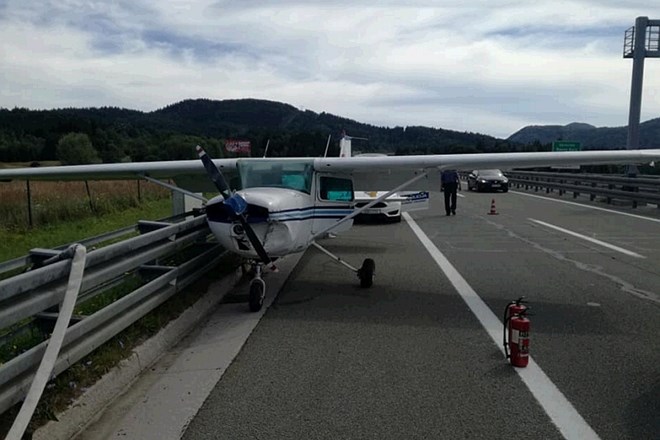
pixel 336 189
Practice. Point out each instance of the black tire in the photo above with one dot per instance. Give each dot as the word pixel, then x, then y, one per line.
pixel 366 273
pixel 505 189
pixel 396 219
pixel 257 294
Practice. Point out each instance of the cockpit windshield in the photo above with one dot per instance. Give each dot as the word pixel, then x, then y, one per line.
pixel 273 173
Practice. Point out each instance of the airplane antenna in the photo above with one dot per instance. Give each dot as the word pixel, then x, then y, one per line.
pixel 327 145
pixel 266 150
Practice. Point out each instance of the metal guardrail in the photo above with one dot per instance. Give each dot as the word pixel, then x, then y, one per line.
pixel 31 258
pixel 32 293
pixel 634 189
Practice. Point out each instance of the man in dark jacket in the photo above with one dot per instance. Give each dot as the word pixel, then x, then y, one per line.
pixel 450 184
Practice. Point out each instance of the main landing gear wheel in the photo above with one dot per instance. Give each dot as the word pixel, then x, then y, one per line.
pixel 257 294
pixel 366 273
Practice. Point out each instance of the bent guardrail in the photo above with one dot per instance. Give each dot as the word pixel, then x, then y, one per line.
pixel 35 293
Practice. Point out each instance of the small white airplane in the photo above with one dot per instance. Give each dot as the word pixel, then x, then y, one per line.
pixel 279 206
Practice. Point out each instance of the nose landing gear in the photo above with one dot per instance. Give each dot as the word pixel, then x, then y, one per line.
pixel 257 289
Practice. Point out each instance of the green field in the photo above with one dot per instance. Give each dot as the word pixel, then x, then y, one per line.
pixel 16 243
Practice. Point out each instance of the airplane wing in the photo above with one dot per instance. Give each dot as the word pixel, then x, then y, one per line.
pixel 391 171
pixel 367 172
pixel 188 174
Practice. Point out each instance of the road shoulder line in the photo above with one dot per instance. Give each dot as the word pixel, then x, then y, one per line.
pixel 589 239
pixel 562 413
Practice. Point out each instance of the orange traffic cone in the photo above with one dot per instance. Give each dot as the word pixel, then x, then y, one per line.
pixel 493 211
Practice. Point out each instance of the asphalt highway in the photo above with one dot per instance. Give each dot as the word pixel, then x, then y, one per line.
pixel 408 358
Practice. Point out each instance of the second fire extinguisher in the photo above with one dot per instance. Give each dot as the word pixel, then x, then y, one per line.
pixel 516 333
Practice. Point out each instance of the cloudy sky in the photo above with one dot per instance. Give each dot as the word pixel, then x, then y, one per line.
pixel 487 66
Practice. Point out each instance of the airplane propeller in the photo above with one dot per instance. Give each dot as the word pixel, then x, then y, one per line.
pixel 214 173
pixel 237 204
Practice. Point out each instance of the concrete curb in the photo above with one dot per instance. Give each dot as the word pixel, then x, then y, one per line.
pixel 95 399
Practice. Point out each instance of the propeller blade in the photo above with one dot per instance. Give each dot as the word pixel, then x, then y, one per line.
pixel 214 173
pixel 256 244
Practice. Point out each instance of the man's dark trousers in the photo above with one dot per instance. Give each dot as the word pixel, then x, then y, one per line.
pixel 450 191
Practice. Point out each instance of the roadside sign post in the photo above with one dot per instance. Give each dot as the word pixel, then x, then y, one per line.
pixel 640 41
pixel 566 146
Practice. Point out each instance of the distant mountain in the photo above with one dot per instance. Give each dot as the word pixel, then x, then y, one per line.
pixel 588 135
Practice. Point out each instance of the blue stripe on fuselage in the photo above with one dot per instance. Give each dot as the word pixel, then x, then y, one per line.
pixel 298 214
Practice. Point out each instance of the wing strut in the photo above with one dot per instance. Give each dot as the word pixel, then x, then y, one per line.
pixel 174 188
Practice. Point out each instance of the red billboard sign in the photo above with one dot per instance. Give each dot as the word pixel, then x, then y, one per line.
pixel 237 146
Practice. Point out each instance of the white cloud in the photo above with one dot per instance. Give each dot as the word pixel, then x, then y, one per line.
pixel 490 67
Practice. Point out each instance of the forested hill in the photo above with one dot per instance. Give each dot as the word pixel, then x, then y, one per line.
pixel 172 132
pixel 588 135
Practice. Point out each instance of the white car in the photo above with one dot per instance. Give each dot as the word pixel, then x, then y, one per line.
pixel 387 210
pixel 391 208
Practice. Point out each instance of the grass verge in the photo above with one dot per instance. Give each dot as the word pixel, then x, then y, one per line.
pixel 18 243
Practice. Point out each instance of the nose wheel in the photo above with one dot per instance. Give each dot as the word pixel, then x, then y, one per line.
pixel 257 291
pixel 257 294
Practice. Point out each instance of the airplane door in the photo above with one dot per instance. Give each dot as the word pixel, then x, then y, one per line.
pixel 415 200
pixel 334 201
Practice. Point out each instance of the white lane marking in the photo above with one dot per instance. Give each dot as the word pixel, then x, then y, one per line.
pixel 651 219
pixel 562 413
pixel 592 240
pixel 460 195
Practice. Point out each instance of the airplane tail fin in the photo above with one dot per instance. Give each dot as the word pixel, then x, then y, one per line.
pixel 345 145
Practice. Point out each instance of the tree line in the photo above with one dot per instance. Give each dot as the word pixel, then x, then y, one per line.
pixel 108 134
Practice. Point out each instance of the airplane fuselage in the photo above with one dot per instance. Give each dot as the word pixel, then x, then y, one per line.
pixel 284 220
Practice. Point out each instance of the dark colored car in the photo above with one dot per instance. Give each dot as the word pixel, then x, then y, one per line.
pixel 487 180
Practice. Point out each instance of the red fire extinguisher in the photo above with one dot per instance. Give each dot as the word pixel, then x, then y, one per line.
pixel 516 327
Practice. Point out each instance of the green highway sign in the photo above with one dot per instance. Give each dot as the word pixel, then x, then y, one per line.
pixel 566 146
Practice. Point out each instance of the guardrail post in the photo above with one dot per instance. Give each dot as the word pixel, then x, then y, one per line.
pixel 29 203
pixel 592 196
